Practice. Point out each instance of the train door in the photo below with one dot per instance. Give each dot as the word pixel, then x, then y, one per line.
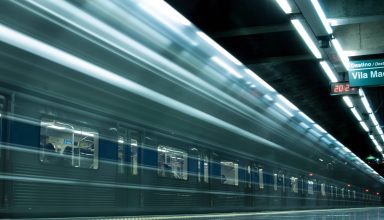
pixel 128 168
pixel 250 184
pixel 3 140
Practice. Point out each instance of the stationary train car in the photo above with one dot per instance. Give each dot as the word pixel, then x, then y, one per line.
pixel 102 115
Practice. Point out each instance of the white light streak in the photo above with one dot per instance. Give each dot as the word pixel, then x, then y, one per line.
pixel 287 102
pixel 306 117
pixel 284 110
pixel 159 6
pixel 356 114
pixel 365 101
pixel 226 67
pixel 340 52
pixel 318 127
pixel 378 128
pixel 364 126
pixel 327 69
pixel 373 119
pixel 303 125
pixel 258 79
pixel 269 98
pixel 348 101
pixel 321 14
pixel 285 6
pixel 307 39
pixel 51 53
pixel 382 137
pixel 218 47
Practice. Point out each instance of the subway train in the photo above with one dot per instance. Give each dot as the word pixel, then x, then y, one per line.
pixel 113 108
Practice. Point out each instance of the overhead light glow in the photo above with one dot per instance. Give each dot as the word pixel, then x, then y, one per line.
pixel 321 14
pixel 287 102
pixel 327 69
pixel 373 119
pixel 218 47
pixel 356 114
pixel 378 128
pixel 258 79
pixel 307 39
pixel 364 126
pixel 227 67
pixel 379 148
pixel 285 6
pixel 269 98
pixel 382 137
pixel 305 126
pixel 371 136
pixel 161 7
pixel 340 52
pixel 365 101
pixel 348 101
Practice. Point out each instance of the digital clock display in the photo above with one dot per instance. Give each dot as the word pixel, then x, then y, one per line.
pixel 343 88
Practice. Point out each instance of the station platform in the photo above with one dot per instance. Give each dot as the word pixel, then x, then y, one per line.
pixel 324 214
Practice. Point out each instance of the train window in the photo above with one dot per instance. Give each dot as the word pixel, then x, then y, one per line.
pixel 172 162
pixel 134 153
pixel 322 189
pixel 342 192
pixel 354 194
pixel 275 181
pixel 261 179
pixel 71 144
pixel 294 184
pixel 229 173
pixel 310 187
pixel 202 168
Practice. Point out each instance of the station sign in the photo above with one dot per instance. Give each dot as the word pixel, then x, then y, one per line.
pixel 366 73
pixel 343 88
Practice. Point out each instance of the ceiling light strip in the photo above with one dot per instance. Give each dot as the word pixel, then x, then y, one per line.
pixel 285 6
pixel 322 17
pixel 327 69
pixel 307 39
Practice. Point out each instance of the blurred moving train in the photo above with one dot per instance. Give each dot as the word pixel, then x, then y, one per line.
pixel 124 107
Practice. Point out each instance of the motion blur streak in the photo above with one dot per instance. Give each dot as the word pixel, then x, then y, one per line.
pixel 41 49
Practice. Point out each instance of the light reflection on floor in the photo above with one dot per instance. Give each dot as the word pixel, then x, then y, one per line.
pixel 330 214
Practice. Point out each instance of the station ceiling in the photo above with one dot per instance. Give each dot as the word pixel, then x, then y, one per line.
pixel 261 36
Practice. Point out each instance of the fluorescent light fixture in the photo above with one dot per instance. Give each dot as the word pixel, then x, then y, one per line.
pixel 379 148
pixel 218 47
pixel 321 14
pixel 365 101
pixel 382 137
pixel 287 102
pixel 307 39
pixel 356 114
pixel 285 6
pixel 331 137
pixel 120 141
pixel 340 52
pixel 327 69
pixel 284 110
pixel 378 128
pixel 258 79
pixel 306 117
pixel 364 126
pixel 371 136
pixel 318 127
pixel 373 119
pixel 375 142
pixel 226 67
pixel 348 101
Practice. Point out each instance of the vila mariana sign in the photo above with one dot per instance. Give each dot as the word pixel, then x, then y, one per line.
pixel 366 73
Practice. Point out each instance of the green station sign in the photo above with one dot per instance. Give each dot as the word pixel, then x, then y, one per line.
pixel 366 73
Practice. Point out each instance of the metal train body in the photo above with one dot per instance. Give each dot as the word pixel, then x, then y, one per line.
pixel 145 123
